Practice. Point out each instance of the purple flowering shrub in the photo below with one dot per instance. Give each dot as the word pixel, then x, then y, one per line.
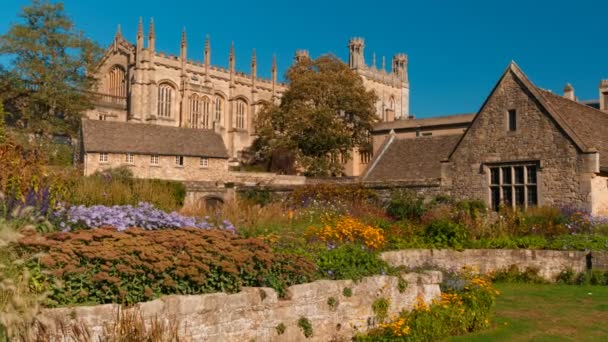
pixel 580 221
pixel 121 217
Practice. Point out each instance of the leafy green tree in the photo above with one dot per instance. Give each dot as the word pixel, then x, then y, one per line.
pixel 44 89
pixel 325 113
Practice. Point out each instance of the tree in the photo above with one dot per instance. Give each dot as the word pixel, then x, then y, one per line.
pixel 324 114
pixel 50 70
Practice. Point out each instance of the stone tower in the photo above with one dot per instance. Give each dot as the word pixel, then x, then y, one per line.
pixel 301 55
pixel 356 58
pixel 604 95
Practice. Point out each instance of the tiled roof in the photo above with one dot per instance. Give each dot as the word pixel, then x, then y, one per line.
pixel 405 159
pixel 457 119
pixel 137 138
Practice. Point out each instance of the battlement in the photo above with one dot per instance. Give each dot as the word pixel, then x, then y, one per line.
pixel 356 41
pixel 604 84
pixel 400 57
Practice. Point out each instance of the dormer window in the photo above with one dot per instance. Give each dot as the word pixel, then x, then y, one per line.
pixel 512 120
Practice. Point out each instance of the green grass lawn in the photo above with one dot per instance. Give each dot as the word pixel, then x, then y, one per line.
pixel 530 312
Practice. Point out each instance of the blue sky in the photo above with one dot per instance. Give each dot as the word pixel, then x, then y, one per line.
pixel 457 49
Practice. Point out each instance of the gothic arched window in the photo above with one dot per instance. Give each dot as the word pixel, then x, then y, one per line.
pixel 117 85
pixel 241 113
pixel 219 108
pixel 206 110
pixel 195 111
pixel 165 98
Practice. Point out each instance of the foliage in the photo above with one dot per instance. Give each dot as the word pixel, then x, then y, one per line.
pixel 325 112
pixel 512 274
pixel 405 205
pixel 350 261
pixel 306 326
pixel 280 328
pixel 348 195
pixel 455 313
pixel 259 196
pixel 347 292
pixel 380 308
pixel 53 62
pixel 347 230
pixel 122 217
pixel 118 187
pixel 106 266
pixel 20 297
pixel 332 302
pixel 445 234
pixel 589 277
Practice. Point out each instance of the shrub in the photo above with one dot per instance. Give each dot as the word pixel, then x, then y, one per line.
pixel 350 262
pixel 256 196
pixel 106 266
pixel 513 274
pixel 347 292
pixel 345 194
pixel 347 230
pixel 118 187
pixel 123 217
pixel 380 308
pixel 306 326
pixel 455 313
pixel 405 205
pixel 332 302
pixel 445 234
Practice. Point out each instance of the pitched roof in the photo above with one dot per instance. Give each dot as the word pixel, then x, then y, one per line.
pixel 448 120
pixel 585 126
pixel 408 159
pixel 137 138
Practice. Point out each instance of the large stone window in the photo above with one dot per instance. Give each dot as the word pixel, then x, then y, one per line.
pixel 513 186
pixel 241 112
pixel 117 85
pixel 165 98
pixel 219 109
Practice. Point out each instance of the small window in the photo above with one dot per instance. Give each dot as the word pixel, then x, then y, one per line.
pixel 205 162
pixel 427 134
pixel 129 158
pixel 512 120
pixel 154 159
pixel 179 160
pixel 103 157
pixel 102 117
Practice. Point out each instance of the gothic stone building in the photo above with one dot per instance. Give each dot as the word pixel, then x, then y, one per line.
pixel 140 85
pixel 525 147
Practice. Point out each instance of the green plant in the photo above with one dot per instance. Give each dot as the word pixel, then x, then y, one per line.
pixel 592 277
pixel 380 307
pixel 280 328
pixel 306 326
pixel 445 234
pixel 405 205
pixel 350 261
pixel 513 274
pixel 332 302
pixel 259 196
pixel 401 284
pixel 107 266
pixel 347 292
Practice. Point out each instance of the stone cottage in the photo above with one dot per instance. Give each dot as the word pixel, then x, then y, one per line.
pixel 525 147
pixel 154 151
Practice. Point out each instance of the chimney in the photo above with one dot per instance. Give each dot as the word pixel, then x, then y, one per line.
pixel 604 95
pixel 569 92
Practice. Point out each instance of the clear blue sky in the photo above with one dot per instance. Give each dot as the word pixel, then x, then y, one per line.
pixel 456 49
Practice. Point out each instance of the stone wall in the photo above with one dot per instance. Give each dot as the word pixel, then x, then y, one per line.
pixel 254 313
pixel 549 263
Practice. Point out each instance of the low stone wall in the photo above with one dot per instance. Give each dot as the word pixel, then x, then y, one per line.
pixel 548 263
pixel 254 313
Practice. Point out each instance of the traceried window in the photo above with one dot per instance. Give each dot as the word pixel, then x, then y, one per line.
pixel 219 109
pixel 241 112
pixel 206 108
pixel 117 85
pixel 513 186
pixel 165 97
pixel 103 157
pixel 195 111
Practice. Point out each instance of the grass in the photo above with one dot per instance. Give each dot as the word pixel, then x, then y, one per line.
pixel 547 312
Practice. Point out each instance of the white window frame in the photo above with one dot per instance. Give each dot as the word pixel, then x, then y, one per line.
pixel 129 158
pixel 179 160
pixel 104 157
pixel 204 162
pixel 155 159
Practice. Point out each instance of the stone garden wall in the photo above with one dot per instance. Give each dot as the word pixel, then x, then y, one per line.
pixel 255 313
pixel 548 263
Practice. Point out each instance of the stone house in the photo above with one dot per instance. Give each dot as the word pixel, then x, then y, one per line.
pixel 138 84
pixel 154 151
pixel 525 147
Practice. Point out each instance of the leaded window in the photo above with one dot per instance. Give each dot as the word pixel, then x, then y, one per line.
pixel 513 186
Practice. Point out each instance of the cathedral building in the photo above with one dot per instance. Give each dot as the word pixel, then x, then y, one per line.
pixel 138 84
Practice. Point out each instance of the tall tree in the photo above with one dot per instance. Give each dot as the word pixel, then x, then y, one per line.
pixel 50 70
pixel 324 114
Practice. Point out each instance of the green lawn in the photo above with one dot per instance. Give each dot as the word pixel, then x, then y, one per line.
pixel 529 312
